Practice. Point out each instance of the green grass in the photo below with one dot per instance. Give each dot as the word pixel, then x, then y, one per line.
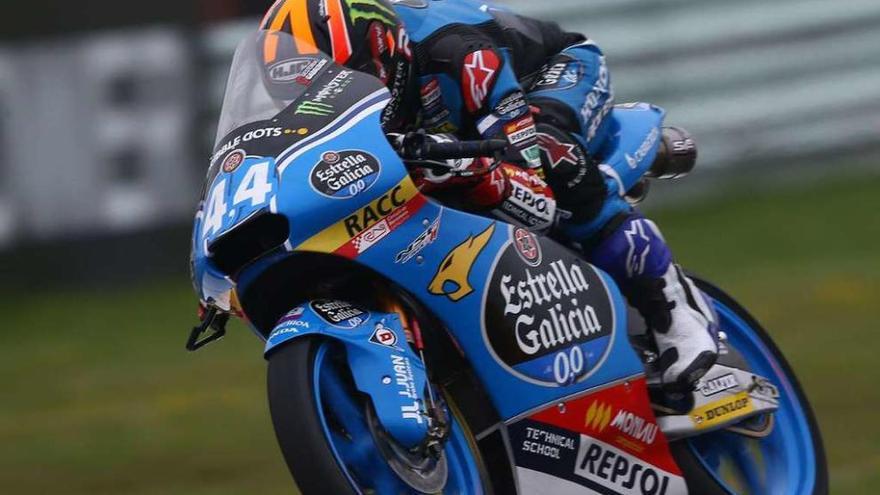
pixel 98 397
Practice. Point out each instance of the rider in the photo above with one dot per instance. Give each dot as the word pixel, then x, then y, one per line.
pixel 463 69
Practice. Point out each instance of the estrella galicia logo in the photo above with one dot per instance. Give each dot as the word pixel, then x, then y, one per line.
pixel 344 174
pixel 548 316
pixel 340 314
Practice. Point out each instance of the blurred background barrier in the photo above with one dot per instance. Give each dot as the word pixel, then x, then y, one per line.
pixel 109 132
pixel 755 80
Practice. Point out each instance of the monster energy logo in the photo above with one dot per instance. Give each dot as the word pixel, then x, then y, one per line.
pixel 313 108
pixel 370 10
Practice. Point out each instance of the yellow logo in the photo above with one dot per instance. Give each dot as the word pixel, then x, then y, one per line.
pixel 338 234
pixel 456 267
pixel 598 416
pixel 722 411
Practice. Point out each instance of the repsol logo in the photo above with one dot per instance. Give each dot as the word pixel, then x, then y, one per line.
pixel 621 472
pixel 529 199
pixel 372 213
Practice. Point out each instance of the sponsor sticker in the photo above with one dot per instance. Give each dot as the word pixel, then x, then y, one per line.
pixel 344 174
pixel 559 76
pixel 452 278
pixel 527 246
pixel 370 10
pixel 540 440
pixel 233 160
pixel 249 136
pixel 364 228
pixel 712 386
pixel 424 240
pixel 607 441
pixel 333 88
pixel 384 336
pixel 623 473
pixel 620 416
pixel 530 202
pixel 290 323
pixel 301 70
pixel 646 147
pixel 602 415
pixel 598 102
pixel 512 106
pixel 522 130
pixel 406 383
pixel 722 411
pixel 339 314
pixel 315 109
pixel 548 321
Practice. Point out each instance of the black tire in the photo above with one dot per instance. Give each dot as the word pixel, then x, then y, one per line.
pixel 703 483
pixel 298 429
pixel 296 420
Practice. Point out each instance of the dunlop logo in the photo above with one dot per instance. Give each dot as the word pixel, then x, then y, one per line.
pixel 598 416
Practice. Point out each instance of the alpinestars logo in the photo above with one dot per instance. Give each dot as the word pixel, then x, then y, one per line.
pixel 639 247
pixel 480 71
pixel 556 151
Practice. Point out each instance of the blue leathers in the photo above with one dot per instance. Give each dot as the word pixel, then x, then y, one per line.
pixel 483 71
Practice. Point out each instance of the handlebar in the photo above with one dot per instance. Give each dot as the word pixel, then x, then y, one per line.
pixel 416 146
pixel 463 149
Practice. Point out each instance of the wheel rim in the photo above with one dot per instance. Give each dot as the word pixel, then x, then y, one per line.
pixel 783 462
pixel 355 450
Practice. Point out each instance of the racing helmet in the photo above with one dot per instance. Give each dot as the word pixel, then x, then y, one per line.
pixel 363 35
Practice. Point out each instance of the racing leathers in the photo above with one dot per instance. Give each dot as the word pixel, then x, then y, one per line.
pixel 484 72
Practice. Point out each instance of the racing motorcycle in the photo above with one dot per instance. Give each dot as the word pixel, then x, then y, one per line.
pixel 416 348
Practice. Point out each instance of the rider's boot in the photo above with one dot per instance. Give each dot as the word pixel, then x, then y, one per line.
pixel 635 254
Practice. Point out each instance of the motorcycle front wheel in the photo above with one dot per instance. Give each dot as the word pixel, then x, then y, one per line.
pixel 788 461
pixel 333 444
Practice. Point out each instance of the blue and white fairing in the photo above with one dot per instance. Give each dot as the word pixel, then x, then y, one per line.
pixel 537 323
pixel 382 363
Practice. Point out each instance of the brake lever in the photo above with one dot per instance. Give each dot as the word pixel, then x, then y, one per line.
pixel 214 320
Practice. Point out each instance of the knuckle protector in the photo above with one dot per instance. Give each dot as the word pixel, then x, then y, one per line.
pixel 570 171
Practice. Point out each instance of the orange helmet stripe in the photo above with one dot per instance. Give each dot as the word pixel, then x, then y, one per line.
pixel 338 31
pixel 298 13
pixel 389 38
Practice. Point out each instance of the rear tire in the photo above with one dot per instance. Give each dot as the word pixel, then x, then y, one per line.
pixel 699 479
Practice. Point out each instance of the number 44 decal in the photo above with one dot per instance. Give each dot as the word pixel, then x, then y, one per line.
pixel 252 193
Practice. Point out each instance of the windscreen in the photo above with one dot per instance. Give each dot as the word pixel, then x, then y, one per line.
pixel 269 71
